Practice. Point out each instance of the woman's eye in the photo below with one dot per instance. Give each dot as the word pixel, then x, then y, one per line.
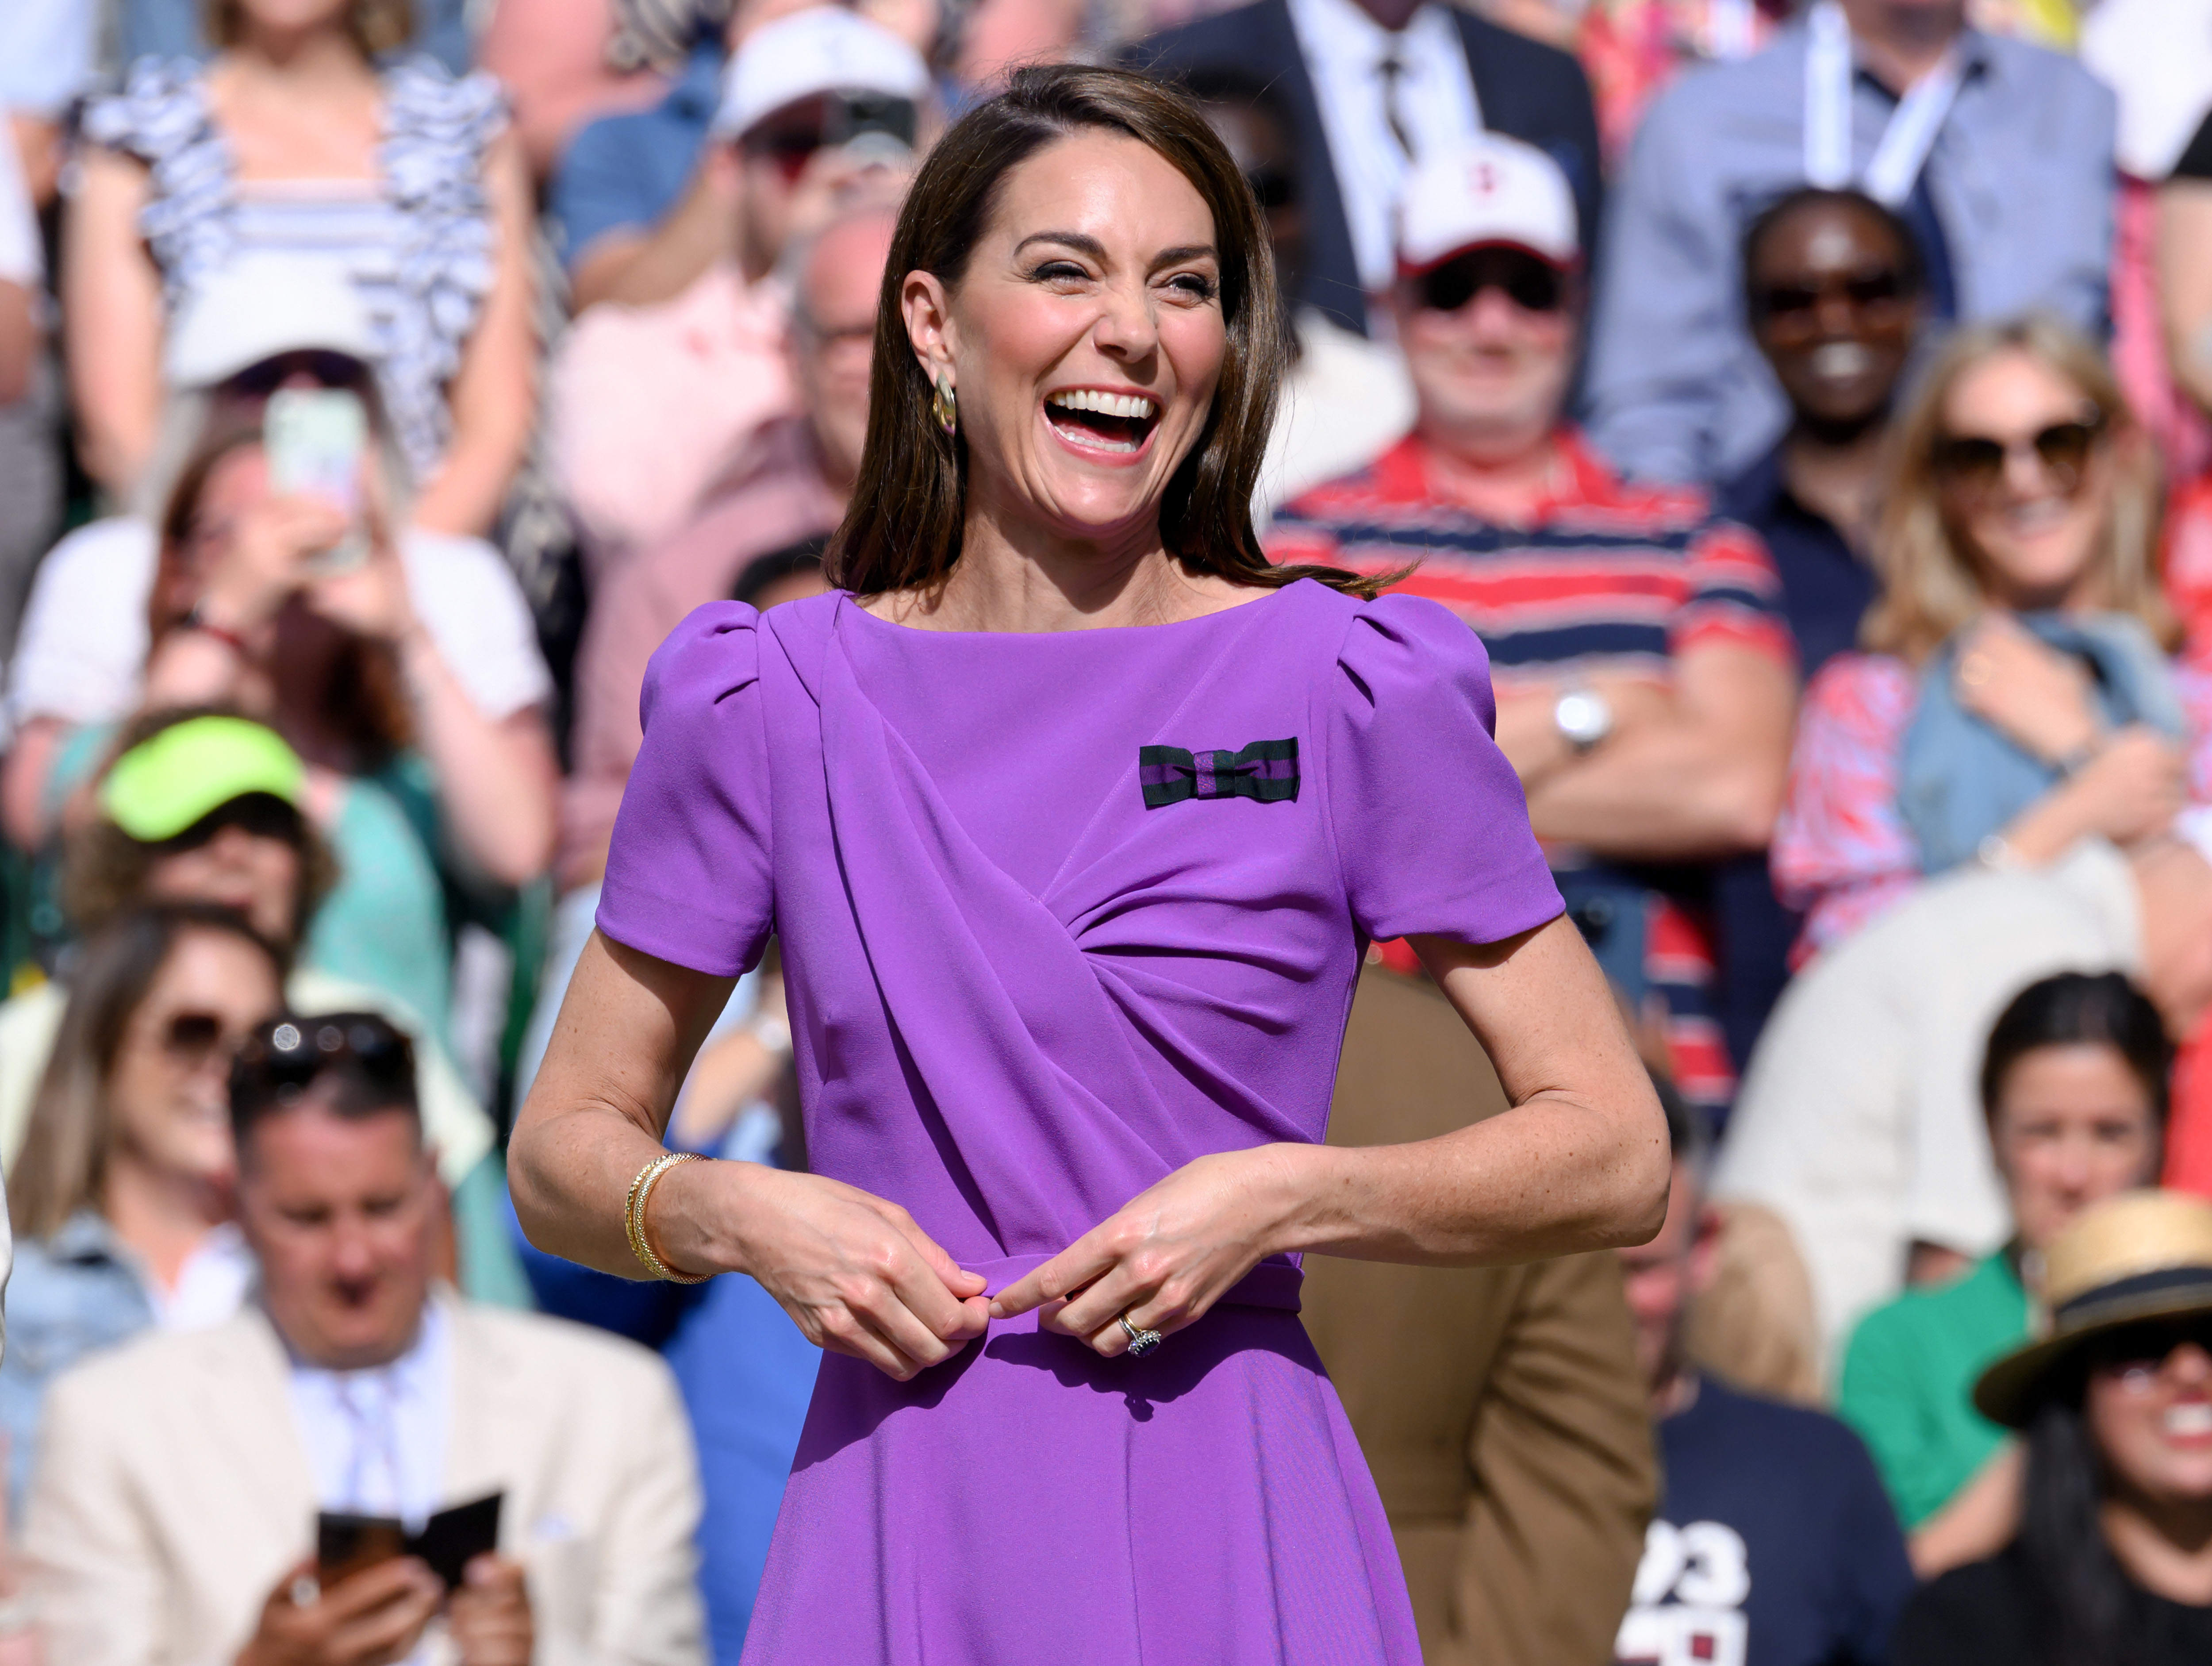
pixel 1194 285
pixel 1060 271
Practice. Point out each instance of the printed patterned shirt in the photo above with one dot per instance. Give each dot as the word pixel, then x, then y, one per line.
pixel 1605 575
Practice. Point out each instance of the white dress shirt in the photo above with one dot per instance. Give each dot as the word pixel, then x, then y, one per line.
pixel 376 1440
pixel 1344 49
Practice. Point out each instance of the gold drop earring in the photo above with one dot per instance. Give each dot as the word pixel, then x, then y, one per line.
pixel 946 405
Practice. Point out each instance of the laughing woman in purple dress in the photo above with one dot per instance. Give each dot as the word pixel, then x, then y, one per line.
pixel 1074 818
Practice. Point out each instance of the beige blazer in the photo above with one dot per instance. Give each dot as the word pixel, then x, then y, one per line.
pixel 172 1492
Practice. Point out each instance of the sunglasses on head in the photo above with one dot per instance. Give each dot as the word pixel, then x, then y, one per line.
pixel 1972 463
pixel 1532 284
pixel 319 365
pixel 1861 291
pixel 282 1058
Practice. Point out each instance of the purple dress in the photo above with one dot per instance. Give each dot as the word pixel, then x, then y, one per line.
pixel 1030 973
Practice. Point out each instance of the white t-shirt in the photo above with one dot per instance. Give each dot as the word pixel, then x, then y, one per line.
pixel 47 48
pixel 81 655
pixel 1860 1118
pixel 22 260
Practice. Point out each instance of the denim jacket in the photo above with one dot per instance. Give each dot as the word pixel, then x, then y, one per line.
pixel 71 1295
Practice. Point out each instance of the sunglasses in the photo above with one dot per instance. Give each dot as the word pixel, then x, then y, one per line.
pixel 1863 292
pixel 319 365
pixel 839 119
pixel 1531 284
pixel 1972 463
pixel 283 1057
pixel 2137 1354
pixel 191 1040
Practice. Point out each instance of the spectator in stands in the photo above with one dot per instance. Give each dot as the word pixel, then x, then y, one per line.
pixel 49 58
pixel 2014 695
pixel 30 471
pixel 1633 50
pixel 652 403
pixel 1773 1544
pixel 245 611
pixel 1834 289
pixel 791 486
pixel 1999 156
pixel 1645 697
pixel 208 808
pixel 723 169
pixel 2114 1559
pixel 1498 1406
pixel 120 1198
pixel 292 139
pixel 178 1482
pixel 1345 398
pixel 1373 88
pixel 2185 265
pixel 1859 1119
pixel 81 660
pixel 2073 1086
pixel 566 63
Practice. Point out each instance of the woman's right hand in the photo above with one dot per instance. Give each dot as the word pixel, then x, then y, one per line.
pixel 265 559
pixel 2036 695
pixel 855 1272
pixel 2133 788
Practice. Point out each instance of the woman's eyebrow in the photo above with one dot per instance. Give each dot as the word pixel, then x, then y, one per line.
pixel 1081 242
pixel 1185 251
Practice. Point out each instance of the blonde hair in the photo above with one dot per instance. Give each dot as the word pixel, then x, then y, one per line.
pixel 1931 586
pixel 375 26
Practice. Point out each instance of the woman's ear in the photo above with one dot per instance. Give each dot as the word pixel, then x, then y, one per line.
pixel 925 306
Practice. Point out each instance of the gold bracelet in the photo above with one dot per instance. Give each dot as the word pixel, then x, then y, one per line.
pixel 640 1195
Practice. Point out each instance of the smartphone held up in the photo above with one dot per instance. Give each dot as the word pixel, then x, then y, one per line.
pixel 315 439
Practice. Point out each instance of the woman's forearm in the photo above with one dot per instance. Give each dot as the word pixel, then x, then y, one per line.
pixel 1553 1177
pixel 496 781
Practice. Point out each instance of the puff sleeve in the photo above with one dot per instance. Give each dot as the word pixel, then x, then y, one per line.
pixel 1432 826
pixel 690 877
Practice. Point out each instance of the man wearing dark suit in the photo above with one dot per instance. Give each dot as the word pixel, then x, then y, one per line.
pixel 1501 1408
pixel 1370 86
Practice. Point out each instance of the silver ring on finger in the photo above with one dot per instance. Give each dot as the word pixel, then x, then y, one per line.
pixel 1141 1342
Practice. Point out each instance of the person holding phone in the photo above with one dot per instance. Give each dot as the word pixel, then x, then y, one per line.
pixel 175 1513
pixel 295 609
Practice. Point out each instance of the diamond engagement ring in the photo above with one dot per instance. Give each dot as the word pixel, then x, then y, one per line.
pixel 1141 1342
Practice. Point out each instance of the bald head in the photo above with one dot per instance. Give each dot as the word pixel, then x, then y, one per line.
pixel 840 273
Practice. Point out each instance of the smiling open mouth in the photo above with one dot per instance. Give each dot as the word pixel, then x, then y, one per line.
pixel 1118 423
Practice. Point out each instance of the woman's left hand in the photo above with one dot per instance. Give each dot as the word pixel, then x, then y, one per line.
pixel 1168 1255
pixel 2036 695
pixel 371 600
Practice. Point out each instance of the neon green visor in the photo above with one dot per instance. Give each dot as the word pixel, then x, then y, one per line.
pixel 163 786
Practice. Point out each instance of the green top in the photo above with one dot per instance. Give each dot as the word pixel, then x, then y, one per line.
pixel 1908 1377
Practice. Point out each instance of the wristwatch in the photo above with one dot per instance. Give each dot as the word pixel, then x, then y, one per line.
pixel 1583 717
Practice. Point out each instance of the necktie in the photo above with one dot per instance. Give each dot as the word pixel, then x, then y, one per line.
pixel 1390 68
pixel 372 1485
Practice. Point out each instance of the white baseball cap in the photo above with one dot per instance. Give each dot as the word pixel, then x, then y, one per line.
pixel 259 304
pixel 1492 191
pixel 823 49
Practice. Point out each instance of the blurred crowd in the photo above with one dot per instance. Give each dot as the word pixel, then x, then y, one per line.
pixel 1808 406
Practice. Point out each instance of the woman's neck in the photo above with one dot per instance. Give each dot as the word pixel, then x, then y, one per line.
pixel 2165 1547
pixel 295 65
pixel 163 1216
pixel 1017 577
pixel 1834 475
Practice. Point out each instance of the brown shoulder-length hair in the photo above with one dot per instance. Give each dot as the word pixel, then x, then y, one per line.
pixel 1931 583
pixel 903 527
pixel 62 1167
pixel 374 26
pixel 361 699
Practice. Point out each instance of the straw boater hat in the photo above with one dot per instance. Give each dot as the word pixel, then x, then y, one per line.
pixel 2137 1256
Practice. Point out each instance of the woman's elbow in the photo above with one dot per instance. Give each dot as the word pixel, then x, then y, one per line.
pixel 1638 1180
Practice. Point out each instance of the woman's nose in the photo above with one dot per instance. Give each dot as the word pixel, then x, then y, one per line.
pixel 1126 326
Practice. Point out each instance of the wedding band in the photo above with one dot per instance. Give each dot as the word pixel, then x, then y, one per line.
pixel 1141 1342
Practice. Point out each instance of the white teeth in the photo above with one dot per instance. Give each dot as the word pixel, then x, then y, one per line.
pixel 1133 405
pixel 1840 359
pixel 2192 1420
